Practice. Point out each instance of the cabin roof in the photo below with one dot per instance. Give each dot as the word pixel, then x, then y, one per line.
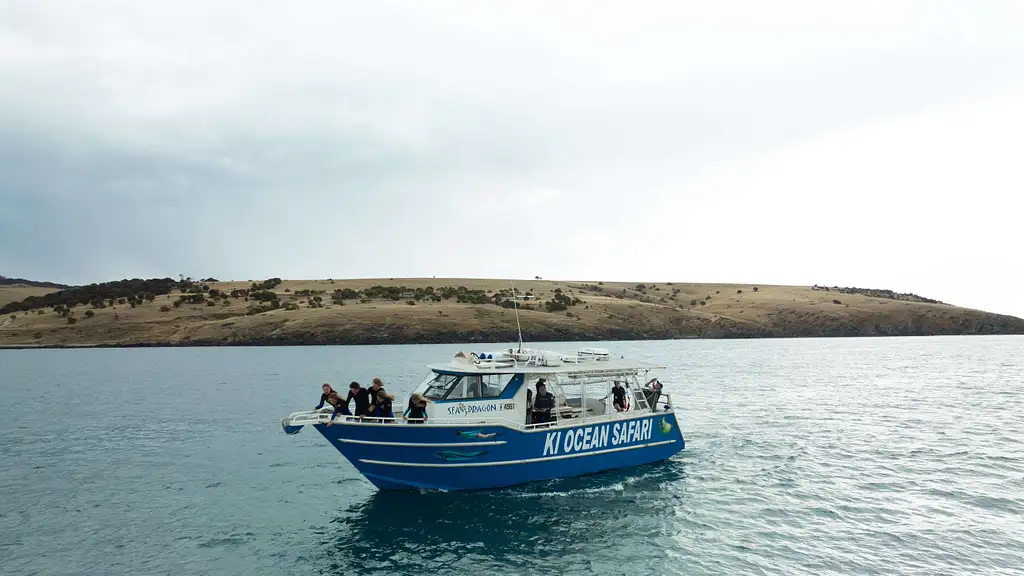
pixel 586 361
pixel 590 367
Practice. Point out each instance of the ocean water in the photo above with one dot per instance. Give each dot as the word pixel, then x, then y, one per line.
pixel 841 456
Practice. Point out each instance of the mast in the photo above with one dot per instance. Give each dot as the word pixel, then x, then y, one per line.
pixel 515 305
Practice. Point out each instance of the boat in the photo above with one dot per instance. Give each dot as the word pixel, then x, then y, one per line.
pixel 478 433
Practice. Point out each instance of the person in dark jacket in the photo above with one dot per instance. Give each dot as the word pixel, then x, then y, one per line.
pixel 375 387
pixel 323 397
pixel 362 398
pixel 340 406
pixel 618 396
pixel 543 402
pixel 384 404
pixel 416 413
pixel 529 406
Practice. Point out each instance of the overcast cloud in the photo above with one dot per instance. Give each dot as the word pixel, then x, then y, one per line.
pixel 875 144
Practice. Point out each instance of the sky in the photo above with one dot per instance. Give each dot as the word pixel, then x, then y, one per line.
pixel 869 144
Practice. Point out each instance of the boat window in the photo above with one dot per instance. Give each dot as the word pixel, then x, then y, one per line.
pixel 438 386
pixel 482 386
pixel 464 387
pixel 468 387
pixel 494 384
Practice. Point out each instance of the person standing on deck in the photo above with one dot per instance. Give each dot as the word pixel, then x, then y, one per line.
pixel 416 413
pixel 542 403
pixel 384 404
pixel 361 396
pixel 340 406
pixel 619 397
pixel 376 386
pixel 328 390
pixel 529 406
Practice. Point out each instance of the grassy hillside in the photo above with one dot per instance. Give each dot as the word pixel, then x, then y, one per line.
pixel 17 293
pixel 592 311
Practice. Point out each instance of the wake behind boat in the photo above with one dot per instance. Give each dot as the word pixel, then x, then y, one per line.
pixel 484 430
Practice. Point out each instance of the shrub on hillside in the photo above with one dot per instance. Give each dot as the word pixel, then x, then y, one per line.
pixel 192 298
pixel 555 306
pixel 410 302
pixel 273 305
pixel 693 302
pixel 739 291
pixel 268 284
pixel 755 288
pixel 165 308
pixel 263 296
pixel 89 313
pixel 72 320
pixel 836 302
pixel 347 294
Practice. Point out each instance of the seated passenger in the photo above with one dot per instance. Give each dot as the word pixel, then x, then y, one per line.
pixel 542 403
pixel 323 397
pixel 416 413
pixel 362 397
pixel 619 397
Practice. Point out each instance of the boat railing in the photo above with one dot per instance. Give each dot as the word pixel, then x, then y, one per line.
pixel 323 416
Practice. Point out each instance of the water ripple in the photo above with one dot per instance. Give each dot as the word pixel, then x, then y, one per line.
pixel 873 456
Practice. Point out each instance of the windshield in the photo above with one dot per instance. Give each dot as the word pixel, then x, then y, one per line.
pixel 464 387
pixel 437 386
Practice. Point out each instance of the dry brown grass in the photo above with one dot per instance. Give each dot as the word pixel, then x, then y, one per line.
pixel 610 314
pixel 18 293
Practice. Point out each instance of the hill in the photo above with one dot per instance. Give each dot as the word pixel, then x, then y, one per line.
pixel 141 313
pixel 5 281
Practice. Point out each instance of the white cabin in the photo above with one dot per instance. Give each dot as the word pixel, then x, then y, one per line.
pixel 493 387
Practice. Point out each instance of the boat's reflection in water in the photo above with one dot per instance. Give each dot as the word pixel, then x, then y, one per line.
pixel 571 522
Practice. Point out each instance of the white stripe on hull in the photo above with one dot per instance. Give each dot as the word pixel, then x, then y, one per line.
pixel 423 444
pixel 507 462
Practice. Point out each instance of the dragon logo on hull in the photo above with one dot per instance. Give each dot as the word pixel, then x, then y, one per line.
pixel 458 455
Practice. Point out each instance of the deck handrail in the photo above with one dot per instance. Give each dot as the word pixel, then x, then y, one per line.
pixel 323 416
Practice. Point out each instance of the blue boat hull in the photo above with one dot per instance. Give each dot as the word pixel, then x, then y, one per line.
pixel 397 456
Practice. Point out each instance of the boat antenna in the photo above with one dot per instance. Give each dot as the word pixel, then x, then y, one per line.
pixel 515 305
